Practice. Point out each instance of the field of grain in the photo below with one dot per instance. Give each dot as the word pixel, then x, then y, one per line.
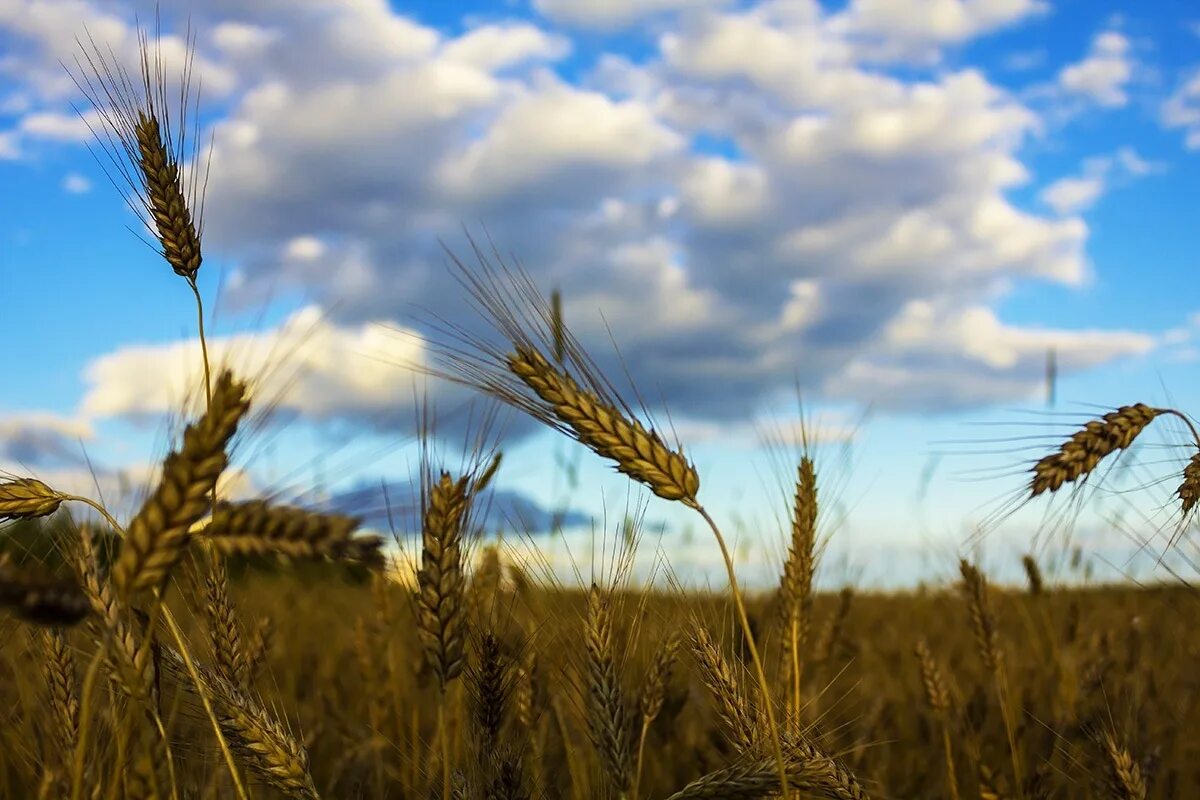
pixel 207 648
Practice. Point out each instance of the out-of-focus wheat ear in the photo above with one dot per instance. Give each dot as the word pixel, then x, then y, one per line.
pixel 27 498
pixel 43 599
pixel 224 631
pixel 1033 575
pixel 983 623
pixel 259 647
pixel 991 786
pixel 1078 456
pixel 440 578
pixel 937 697
pixel 608 714
pixel 1124 774
pixel 606 429
pixel 655 688
pixel 63 684
pixel 260 741
pixel 736 713
pixel 256 527
pixel 831 634
pixel 485 478
pixel 1189 489
pixel 158 535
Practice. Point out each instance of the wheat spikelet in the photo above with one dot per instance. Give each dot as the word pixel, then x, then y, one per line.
pixel 1189 489
pixel 655 688
pixel 26 498
pixel 256 737
pixel 1125 775
pixel 225 634
pixel 608 722
pixel 256 527
pixel 736 713
pixel 601 426
pixel 62 683
pixel 936 695
pixel 440 596
pixel 158 535
pixel 1079 455
pixel 983 623
pixel 40 598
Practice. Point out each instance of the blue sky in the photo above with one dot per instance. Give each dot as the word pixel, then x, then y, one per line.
pixel 899 208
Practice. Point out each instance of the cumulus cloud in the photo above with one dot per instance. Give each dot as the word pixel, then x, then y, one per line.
pixel 1073 194
pixel 39 439
pixel 1104 74
pixel 611 14
pixel 902 29
pixel 1182 110
pixel 755 199
pixel 306 367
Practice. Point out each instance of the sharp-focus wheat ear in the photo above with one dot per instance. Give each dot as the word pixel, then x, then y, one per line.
pixel 608 715
pixel 1124 774
pixel 735 711
pixel 158 535
pixel 26 498
pixel 40 598
pixel 224 631
pixel 145 140
pixel 1189 489
pixel 440 596
pixel 259 740
pixel 795 586
pixel 639 453
pixel 63 684
pixel 1033 574
pixel 1079 455
pixel 256 527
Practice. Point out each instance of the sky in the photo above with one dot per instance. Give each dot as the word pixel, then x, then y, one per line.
pixel 877 217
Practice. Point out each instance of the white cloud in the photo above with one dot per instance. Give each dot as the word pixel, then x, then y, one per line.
pixel 1071 195
pixel 610 14
pixel 306 366
pixel 904 29
pixel 495 47
pixel 74 183
pixel 1182 110
pixel 39 438
pixel 1104 74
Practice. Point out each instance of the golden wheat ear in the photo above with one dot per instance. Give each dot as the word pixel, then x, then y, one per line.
pixel 158 535
pixel 1078 456
pixel 145 137
pixel 27 498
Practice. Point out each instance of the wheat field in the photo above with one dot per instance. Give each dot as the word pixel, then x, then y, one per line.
pixel 211 648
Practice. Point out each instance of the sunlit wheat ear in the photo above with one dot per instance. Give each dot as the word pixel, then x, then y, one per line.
pixel 224 631
pixel 1189 489
pixel 145 139
pixel 796 584
pixel 38 597
pixel 1124 774
pixel 158 535
pixel 638 453
pixel 1083 452
pixel 735 711
pixel 260 741
pixel 27 498
pixel 256 527
pixel 63 684
pixel 440 578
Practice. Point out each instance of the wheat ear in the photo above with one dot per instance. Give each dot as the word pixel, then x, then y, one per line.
pixel 157 536
pixel 1087 447
pixel 796 584
pixel 608 715
pixel 27 498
